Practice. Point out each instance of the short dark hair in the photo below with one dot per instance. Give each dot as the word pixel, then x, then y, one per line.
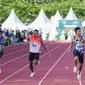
pixel 36 31
pixel 77 28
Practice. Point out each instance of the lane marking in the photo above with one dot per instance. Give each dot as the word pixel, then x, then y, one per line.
pixel 15 52
pixel 18 58
pixel 14 59
pixel 52 67
pixel 26 66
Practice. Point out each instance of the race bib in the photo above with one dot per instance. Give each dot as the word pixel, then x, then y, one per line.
pixel 34 47
pixel 34 44
pixel 79 47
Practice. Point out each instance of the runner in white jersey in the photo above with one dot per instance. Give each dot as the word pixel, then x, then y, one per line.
pixel 79 42
pixel 35 44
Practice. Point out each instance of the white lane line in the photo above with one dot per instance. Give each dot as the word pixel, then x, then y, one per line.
pixel 26 66
pixel 52 67
pixel 19 44
pixel 80 82
pixel 14 59
pixel 14 48
pixel 14 73
pixel 50 51
pixel 15 52
pixel 14 45
pixel 17 58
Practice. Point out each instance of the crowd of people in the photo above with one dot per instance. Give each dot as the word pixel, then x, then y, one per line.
pixel 16 36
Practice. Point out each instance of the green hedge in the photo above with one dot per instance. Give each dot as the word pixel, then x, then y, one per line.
pixel 27 12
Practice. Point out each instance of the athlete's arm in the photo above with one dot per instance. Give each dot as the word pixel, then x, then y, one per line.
pixel 84 41
pixel 71 45
pixel 43 45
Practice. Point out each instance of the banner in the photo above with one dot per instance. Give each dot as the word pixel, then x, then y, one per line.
pixel 67 23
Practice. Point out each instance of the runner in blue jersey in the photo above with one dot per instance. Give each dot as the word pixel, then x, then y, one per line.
pixel 2 39
pixel 78 42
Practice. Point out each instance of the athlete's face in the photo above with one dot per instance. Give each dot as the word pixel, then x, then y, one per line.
pixel 35 33
pixel 78 32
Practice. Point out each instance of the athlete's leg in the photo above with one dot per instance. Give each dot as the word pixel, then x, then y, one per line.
pixel 31 58
pixel 81 60
pixel 32 69
pixel 75 54
pixel 36 60
pixel 1 55
pixel 31 66
pixel 80 68
pixel 76 61
pixel 79 71
pixel 75 64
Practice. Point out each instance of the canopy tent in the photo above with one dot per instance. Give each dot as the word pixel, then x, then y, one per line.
pixel 56 18
pixel 41 22
pixel 53 34
pixel 13 22
pixel 83 24
pixel 52 17
pixel 71 15
pixel 55 21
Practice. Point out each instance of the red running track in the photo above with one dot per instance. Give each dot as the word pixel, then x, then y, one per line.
pixel 51 71
pixel 13 66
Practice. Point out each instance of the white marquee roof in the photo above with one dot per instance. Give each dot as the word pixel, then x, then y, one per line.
pixel 83 24
pixel 71 15
pixel 56 18
pixel 41 22
pixel 13 22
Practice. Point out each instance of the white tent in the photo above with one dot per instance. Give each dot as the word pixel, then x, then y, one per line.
pixel 71 15
pixel 41 22
pixel 70 34
pixel 13 22
pixel 56 18
pixel 55 21
pixel 52 17
pixel 83 24
pixel 53 34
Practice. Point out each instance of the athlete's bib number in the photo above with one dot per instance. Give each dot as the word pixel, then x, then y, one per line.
pixel 34 45
pixel 79 47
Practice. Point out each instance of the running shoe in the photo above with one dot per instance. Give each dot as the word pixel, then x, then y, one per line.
pixel 79 76
pixel 32 74
pixel 75 69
